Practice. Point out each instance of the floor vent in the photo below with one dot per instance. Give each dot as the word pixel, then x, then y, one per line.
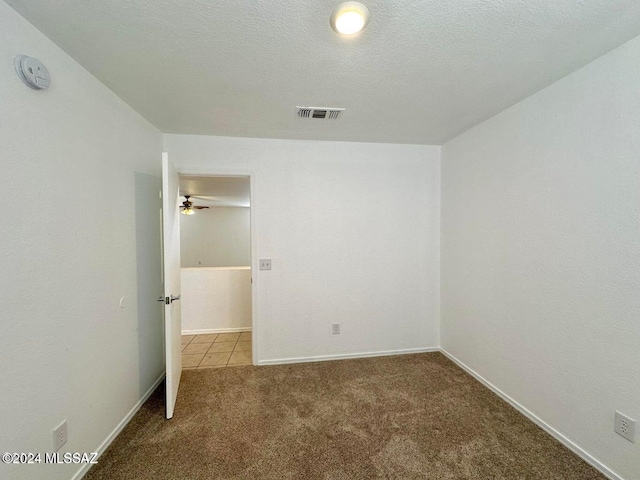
pixel 323 113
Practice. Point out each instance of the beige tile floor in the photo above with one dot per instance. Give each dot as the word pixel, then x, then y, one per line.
pixel 216 350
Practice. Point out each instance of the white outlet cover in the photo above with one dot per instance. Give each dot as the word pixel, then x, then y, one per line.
pixel 59 436
pixel 32 72
pixel 625 427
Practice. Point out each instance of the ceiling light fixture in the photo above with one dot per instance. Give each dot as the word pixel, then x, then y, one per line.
pixel 349 18
pixel 188 208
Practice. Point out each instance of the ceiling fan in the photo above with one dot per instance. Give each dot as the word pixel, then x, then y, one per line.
pixel 188 208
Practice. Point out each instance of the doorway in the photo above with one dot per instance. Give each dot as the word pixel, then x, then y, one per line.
pixel 216 276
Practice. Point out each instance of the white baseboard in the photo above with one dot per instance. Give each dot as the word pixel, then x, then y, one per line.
pixel 602 468
pixel 344 356
pixel 123 423
pixel 216 330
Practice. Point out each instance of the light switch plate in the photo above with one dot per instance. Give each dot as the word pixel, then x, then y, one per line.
pixel 265 264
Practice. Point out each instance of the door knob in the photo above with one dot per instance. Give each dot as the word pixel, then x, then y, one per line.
pixel 169 300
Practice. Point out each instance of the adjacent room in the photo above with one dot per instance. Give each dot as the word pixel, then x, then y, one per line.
pixel 320 240
pixel 215 273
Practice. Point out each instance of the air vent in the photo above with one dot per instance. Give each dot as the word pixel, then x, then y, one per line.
pixel 322 113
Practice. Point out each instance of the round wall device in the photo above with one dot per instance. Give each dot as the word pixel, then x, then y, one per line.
pixel 32 72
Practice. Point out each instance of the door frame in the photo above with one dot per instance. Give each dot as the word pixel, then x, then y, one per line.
pixel 251 174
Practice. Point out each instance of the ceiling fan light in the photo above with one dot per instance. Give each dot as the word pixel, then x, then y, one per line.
pixel 349 18
pixel 188 211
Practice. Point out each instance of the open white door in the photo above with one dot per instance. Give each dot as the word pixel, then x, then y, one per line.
pixel 171 274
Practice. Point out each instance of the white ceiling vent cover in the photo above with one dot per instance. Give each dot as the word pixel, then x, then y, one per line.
pixel 322 113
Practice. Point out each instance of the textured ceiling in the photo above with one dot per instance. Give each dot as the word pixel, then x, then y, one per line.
pixel 421 72
pixel 217 191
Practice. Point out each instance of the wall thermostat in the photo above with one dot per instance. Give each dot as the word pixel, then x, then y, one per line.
pixel 32 72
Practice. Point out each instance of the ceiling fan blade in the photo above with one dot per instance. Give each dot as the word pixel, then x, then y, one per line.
pixel 198 207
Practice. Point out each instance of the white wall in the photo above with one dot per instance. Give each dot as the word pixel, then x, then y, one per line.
pixel 216 237
pixel 353 233
pixel 78 166
pixel 216 300
pixel 541 253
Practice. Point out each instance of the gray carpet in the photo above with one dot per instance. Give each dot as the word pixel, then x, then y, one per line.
pixel 407 417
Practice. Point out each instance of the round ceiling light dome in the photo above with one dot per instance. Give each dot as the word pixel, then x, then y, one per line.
pixel 349 18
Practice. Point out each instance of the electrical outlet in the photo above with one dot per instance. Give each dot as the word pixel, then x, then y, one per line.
pixel 335 328
pixel 59 436
pixel 265 264
pixel 625 426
